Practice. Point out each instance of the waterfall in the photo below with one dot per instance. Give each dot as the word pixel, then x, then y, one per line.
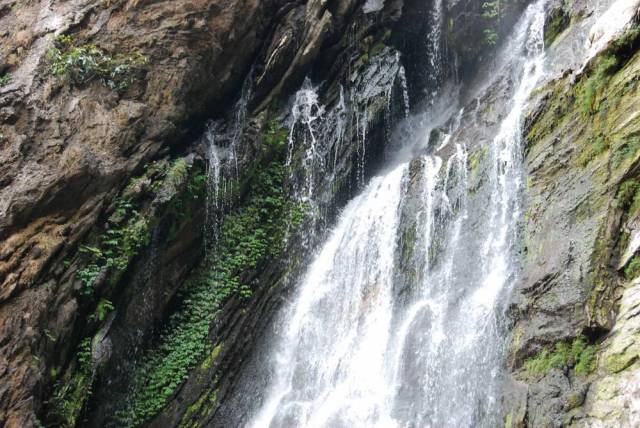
pixel 398 320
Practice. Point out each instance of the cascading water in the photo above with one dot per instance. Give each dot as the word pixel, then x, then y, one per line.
pixel 397 326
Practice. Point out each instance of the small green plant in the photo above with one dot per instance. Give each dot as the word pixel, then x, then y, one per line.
pixel 5 79
pixel 84 354
pixel 490 36
pixel 102 310
pixel 276 136
pixel 178 172
pixel 632 270
pixel 579 355
pixel 86 63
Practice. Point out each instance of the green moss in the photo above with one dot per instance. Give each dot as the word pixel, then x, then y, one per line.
pixel 202 407
pixel 574 400
pixel 618 362
pixel 626 193
pixel 408 244
pixel 625 149
pixel 577 354
pixel 475 160
pixel 363 59
pixel 594 147
pixel 508 421
pixel 206 363
pixel 86 63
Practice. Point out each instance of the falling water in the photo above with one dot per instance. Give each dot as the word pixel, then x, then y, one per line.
pixel 215 199
pixel 434 47
pixel 402 326
pixel 316 131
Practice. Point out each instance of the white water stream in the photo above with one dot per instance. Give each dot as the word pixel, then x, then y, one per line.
pixel 364 343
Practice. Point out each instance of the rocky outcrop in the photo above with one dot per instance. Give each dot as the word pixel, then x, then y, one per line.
pixel 573 299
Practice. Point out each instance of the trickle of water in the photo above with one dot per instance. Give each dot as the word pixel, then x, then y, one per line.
pixel 320 130
pixel 435 76
pixel 240 119
pixel 214 196
pixel 366 343
pixel 306 121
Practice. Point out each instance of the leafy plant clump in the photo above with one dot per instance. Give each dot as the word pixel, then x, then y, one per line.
pixel 249 236
pixel 5 80
pixel 127 232
pixel 82 64
pixel 579 355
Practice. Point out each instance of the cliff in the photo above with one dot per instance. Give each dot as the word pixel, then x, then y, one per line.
pixel 156 204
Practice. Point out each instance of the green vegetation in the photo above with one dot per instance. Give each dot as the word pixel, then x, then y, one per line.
pixel 71 392
pixel 127 232
pixel 624 149
pixel 591 111
pixel 102 310
pixel 628 196
pixel 578 355
pixel 632 270
pixel 249 236
pixel 492 12
pixel 85 63
pixel 556 25
pixel 606 67
pixel 5 79
pixel 595 146
pixel 490 36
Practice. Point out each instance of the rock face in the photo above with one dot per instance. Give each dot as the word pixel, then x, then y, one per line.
pixel 572 301
pixel 67 151
pixel 107 215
